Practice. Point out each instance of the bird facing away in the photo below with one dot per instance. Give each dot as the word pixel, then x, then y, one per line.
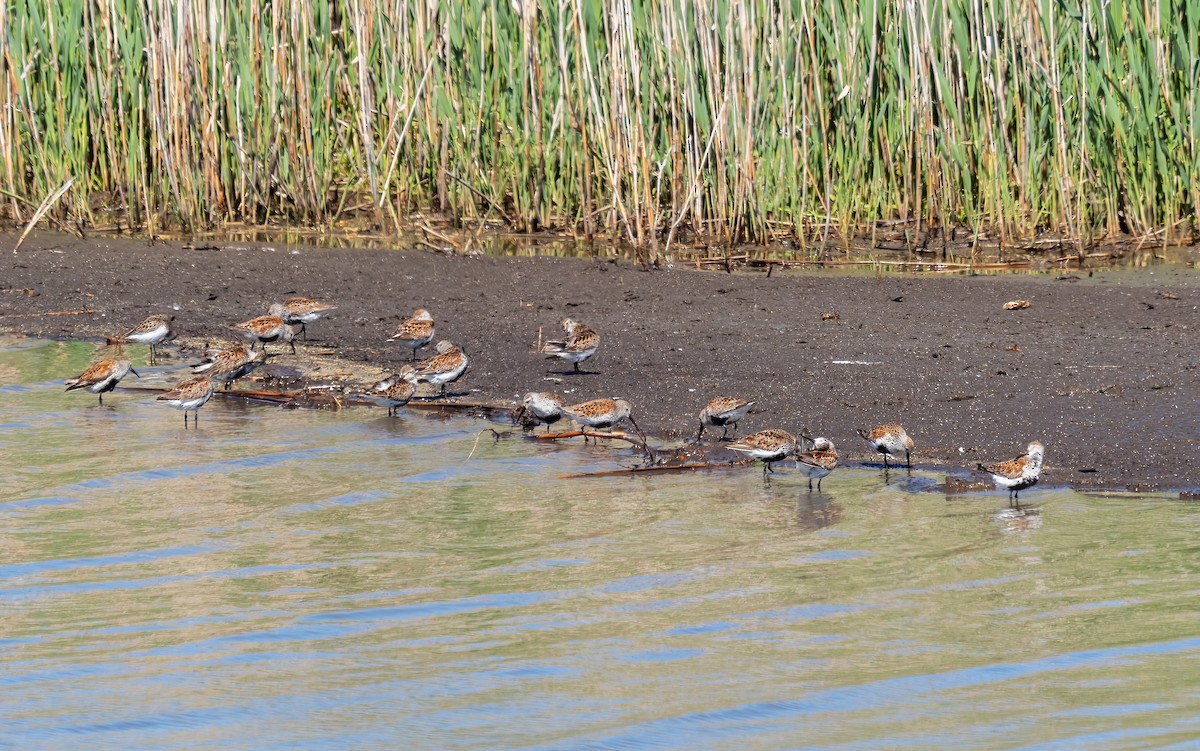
pixel 769 446
pixel 723 412
pixel 102 376
pixel 190 395
pixel 890 440
pixel 155 330
pixel 1017 474
pixel 817 462
pixel 580 344
pixel 266 330
pixel 539 408
pixel 228 365
pixel 301 310
pixel 416 332
pixel 397 390
pixel 445 367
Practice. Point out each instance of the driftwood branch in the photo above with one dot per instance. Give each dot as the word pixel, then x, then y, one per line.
pixel 655 468
pixel 619 436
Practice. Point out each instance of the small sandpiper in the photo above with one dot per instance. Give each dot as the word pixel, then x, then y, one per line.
pixel 769 446
pixel 580 344
pixel 601 414
pixel 155 330
pixel 190 395
pixel 890 440
pixel 266 330
pixel 416 332
pixel 1017 474
pixel 818 462
pixel 301 310
pixel 396 390
pixel 723 412
pixel 228 365
pixel 539 408
pixel 446 367
pixel 102 376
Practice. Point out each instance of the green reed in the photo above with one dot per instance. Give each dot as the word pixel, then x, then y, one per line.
pixel 653 121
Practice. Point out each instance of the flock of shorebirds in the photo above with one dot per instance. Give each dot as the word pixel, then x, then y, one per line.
pixel 815 458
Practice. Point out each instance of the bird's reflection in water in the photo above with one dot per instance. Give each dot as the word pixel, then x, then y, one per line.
pixel 817 510
pixel 1016 519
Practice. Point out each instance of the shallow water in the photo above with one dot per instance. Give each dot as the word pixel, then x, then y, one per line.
pixel 296 579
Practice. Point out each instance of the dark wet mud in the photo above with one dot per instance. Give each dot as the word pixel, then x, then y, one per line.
pixel 1102 369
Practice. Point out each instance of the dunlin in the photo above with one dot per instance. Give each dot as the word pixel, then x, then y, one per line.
pixel 1017 474
pixel 155 330
pixel 301 310
pixel 266 330
pixel 189 395
pixel 580 344
pixel 446 367
pixel 723 412
pixel 416 332
pixel 539 408
pixel 228 365
pixel 817 462
pixel 890 440
pixel 769 446
pixel 102 376
pixel 396 390
pixel 601 414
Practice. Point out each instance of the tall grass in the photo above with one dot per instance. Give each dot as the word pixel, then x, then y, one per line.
pixel 650 120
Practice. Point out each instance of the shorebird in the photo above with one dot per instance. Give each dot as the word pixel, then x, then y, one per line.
pixel 818 462
pixel 769 446
pixel 155 330
pixel 601 414
pixel 301 310
pixel 580 344
pixel 416 332
pixel 1017 474
pixel 102 376
pixel 890 440
pixel 396 390
pixel 723 412
pixel 228 365
pixel 265 330
pixel 189 395
pixel 446 367
pixel 539 408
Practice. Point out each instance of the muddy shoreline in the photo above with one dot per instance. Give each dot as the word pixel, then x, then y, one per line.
pixel 1102 368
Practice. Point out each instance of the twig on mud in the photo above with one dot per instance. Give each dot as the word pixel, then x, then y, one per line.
pixel 46 206
pixel 79 312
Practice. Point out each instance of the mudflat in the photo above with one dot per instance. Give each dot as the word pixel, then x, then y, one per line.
pixel 1102 368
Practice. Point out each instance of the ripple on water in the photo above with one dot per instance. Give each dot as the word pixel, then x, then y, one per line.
pixel 316 580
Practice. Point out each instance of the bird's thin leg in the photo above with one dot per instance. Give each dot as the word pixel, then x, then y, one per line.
pixel 908 459
pixel 101 399
pixel 293 343
pixel 576 367
pixel 885 462
pixel 810 484
pixel 304 331
pixel 701 433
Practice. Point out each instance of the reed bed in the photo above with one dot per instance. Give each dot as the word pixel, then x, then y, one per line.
pixel 651 121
